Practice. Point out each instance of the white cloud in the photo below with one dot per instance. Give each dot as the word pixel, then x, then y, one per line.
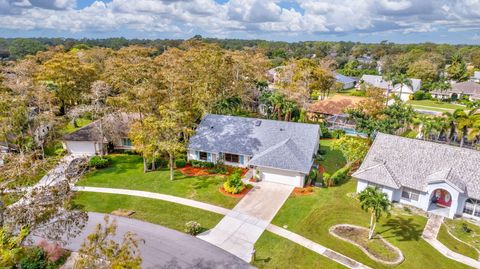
pixel 249 17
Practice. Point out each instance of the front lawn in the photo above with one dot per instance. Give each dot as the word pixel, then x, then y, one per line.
pixel 465 231
pixel 70 128
pixel 273 251
pixel 126 172
pixel 333 159
pixel 456 245
pixel 312 216
pixel 160 212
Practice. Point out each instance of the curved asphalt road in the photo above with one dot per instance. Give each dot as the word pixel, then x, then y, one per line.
pixel 164 247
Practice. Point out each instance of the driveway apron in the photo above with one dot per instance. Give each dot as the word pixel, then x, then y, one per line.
pixel 238 231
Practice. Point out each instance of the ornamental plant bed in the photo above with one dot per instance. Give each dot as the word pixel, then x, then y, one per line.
pixel 377 249
pixel 238 195
pixel 191 171
pixel 303 191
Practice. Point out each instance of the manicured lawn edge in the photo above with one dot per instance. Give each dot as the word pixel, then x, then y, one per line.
pixel 456 245
pixel 168 214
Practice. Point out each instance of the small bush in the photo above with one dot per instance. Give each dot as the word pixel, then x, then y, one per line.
pixel 193 227
pixel 358 93
pixel 180 163
pixel 219 168
pixel 249 186
pixel 33 258
pixel 321 151
pixel 338 133
pixel 421 95
pixel 326 180
pixel 340 175
pixel 465 228
pixel 98 162
pixel 234 183
pixel 201 164
pixel 325 132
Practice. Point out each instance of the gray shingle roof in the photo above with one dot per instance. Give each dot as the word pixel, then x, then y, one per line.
pixel 378 81
pixel 277 144
pixel 344 79
pixel 119 123
pixel 416 163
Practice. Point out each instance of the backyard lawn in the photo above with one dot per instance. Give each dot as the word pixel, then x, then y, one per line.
pixel 456 245
pixel 160 212
pixel 333 159
pixel 311 216
pixel 126 172
pixel 273 251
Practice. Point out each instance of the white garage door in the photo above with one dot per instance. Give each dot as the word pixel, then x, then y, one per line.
pixel 80 147
pixel 282 177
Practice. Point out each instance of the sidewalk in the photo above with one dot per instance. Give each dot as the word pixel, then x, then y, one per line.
pixel 430 233
pixel 332 255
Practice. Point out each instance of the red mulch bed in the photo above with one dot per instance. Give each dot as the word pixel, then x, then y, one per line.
pixel 238 195
pixel 191 171
pixel 321 169
pixel 303 191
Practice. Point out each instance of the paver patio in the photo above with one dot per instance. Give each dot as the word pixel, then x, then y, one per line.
pixel 238 231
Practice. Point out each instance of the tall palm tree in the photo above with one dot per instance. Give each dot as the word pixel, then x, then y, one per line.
pixel 463 123
pixel 277 101
pixel 401 79
pixel 376 202
pixel 288 108
pixel 450 122
pixel 474 131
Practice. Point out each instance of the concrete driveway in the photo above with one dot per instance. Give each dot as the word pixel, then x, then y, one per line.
pixel 165 248
pixel 238 231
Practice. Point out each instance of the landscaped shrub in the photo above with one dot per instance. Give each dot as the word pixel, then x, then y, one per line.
pixel 193 227
pixel 234 183
pixel 340 175
pixel 338 133
pixel 326 180
pixel 179 163
pixel 98 162
pixel 33 258
pixel 201 164
pixel 219 168
pixel 421 95
pixel 325 132
pixel 249 186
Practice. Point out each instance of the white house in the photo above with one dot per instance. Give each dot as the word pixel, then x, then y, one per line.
pixel 277 151
pixel 467 89
pixel 476 77
pixel 88 140
pixel 379 82
pixel 437 178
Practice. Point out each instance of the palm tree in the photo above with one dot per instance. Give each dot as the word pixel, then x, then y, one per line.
pixel 288 108
pixel 464 121
pixel 376 202
pixel 401 79
pixel 450 122
pixel 277 101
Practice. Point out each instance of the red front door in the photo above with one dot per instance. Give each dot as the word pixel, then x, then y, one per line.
pixel 442 197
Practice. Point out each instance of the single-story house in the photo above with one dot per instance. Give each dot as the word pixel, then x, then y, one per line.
pixel 334 105
pixel 88 140
pixel 438 178
pixel 459 90
pixel 347 82
pixel 379 82
pixel 277 151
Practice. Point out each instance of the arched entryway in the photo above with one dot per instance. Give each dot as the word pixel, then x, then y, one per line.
pixel 440 202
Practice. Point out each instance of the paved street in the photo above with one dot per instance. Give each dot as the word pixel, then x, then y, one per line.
pixel 166 248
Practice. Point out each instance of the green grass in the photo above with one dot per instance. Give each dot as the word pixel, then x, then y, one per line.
pixel 69 128
pixel 333 159
pixel 455 245
pixel 273 251
pixel 472 237
pixel 435 105
pixel 160 212
pixel 410 134
pixel 312 216
pixel 126 172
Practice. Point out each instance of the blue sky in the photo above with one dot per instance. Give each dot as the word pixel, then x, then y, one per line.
pixel 401 21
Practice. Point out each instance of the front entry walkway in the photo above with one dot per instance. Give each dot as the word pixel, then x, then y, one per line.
pixel 238 231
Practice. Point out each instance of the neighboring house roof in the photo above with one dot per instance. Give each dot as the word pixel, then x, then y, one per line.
pixel 344 79
pixel 379 82
pixel 277 144
pixel 476 75
pixel 415 163
pixel 335 105
pixel 467 87
pixel 116 123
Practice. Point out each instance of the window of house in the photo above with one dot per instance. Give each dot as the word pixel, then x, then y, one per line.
pixel 126 142
pixel 410 194
pixel 472 207
pixel 233 158
pixel 203 156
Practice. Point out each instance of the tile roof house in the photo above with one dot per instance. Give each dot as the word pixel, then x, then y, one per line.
pixel 88 139
pixel 278 151
pixel 437 178
pixel 469 89
pixel 379 82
